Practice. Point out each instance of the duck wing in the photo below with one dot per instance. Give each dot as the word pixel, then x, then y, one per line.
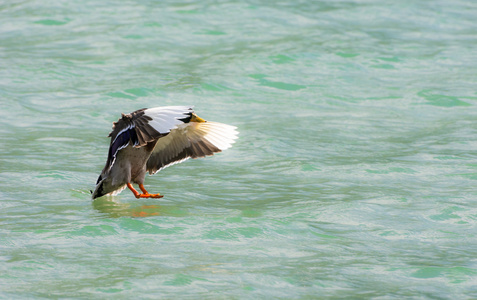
pixel 190 140
pixel 143 126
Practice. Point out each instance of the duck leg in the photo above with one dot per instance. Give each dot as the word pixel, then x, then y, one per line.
pixel 145 194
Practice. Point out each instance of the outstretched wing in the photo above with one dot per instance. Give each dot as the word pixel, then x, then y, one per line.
pixel 143 126
pixel 190 140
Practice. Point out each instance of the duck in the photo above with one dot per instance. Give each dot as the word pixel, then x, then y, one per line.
pixel 151 139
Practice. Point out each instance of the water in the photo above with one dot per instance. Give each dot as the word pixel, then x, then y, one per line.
pixel 353 177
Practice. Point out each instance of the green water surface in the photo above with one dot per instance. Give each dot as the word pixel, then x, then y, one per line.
pixel 354 175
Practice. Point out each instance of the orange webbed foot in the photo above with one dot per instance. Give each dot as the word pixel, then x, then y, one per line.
pixel 156 196
pixel 145 194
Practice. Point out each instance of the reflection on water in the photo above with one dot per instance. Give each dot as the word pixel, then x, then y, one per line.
pixel 115 209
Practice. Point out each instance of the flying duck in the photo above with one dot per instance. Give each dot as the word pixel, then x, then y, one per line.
pixel 148 140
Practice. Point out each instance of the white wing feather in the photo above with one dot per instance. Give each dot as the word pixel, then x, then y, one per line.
pixel 191 139
pixel 167 118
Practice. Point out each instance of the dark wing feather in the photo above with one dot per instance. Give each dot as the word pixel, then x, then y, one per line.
pixel 132 129
pixel 144 126
pixel 122 140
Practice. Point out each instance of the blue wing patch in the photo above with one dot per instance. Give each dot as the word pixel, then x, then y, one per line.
pixel 121 141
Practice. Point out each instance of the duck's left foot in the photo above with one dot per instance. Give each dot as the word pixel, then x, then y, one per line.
pixel 157 196
pixel 149 195
pixel 145 194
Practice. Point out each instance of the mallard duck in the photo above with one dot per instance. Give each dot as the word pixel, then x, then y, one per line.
pixel 148 140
